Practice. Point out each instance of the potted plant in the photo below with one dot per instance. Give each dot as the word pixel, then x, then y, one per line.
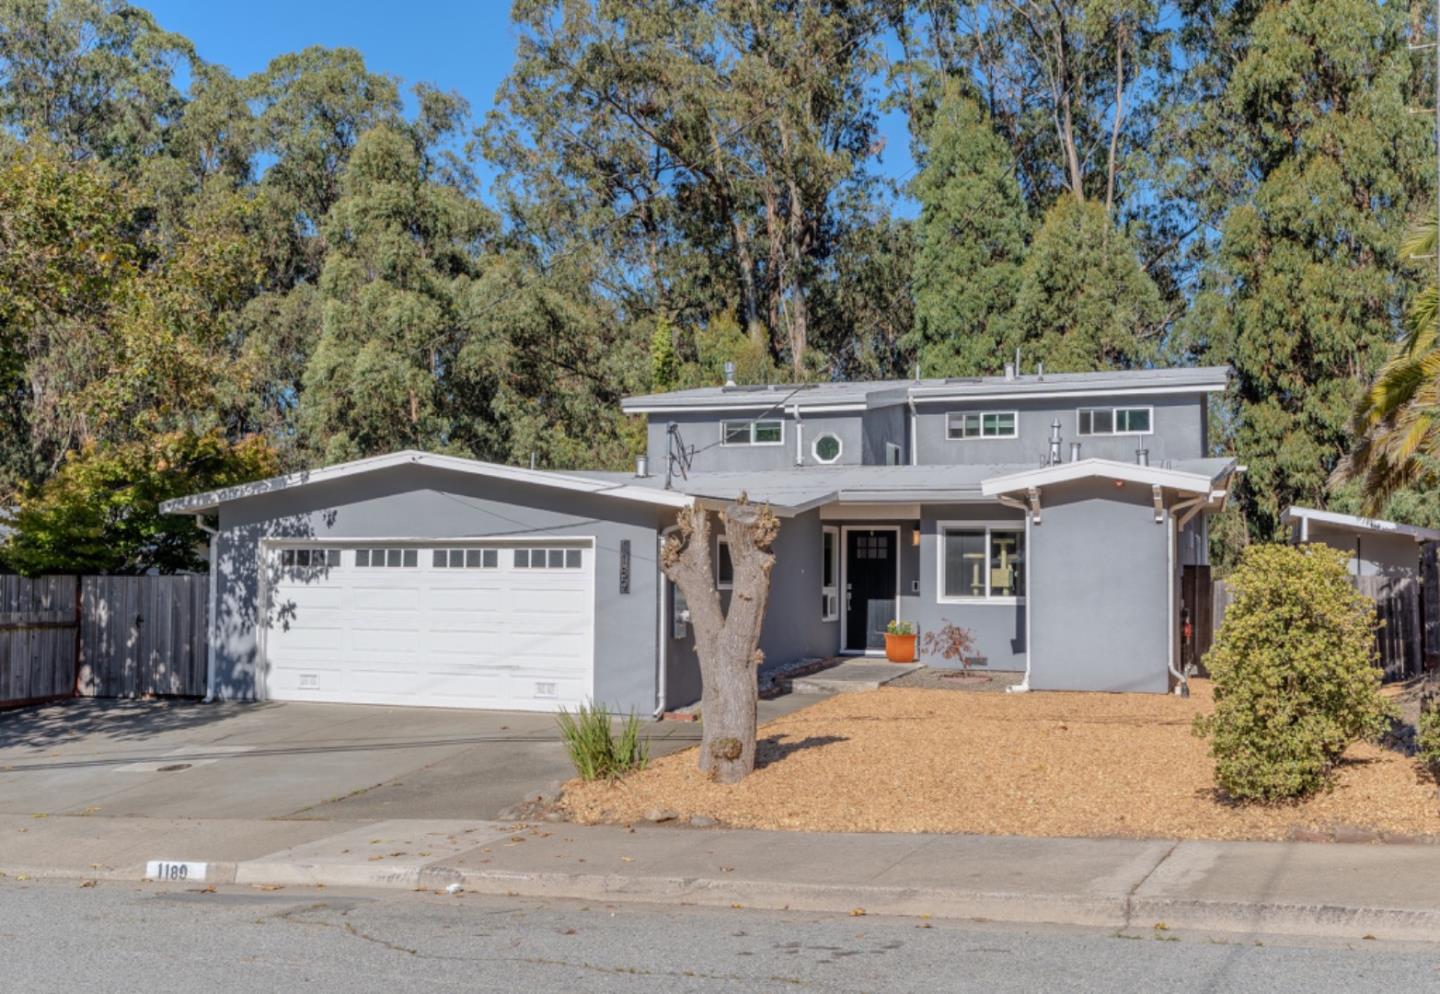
pixel 953 643
pixel 900 641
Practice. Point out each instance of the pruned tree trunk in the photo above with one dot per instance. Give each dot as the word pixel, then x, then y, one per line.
pixel 727 642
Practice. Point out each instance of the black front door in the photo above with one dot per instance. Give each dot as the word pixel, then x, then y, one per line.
pixel 869 587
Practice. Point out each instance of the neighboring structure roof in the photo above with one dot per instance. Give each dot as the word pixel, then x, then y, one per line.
pixel 200 503
pixel 1196 476
pixel 1350 522
pixel 864 394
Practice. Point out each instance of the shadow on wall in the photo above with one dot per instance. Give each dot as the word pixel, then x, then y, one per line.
pixel 241 612
pixel 47 726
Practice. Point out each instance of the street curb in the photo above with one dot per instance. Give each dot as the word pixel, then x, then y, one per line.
pixel 1067 909
pixel 1115 910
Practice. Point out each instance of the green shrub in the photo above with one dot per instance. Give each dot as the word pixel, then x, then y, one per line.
pixel 1294 674
pixel 595 749
pixel 1427 736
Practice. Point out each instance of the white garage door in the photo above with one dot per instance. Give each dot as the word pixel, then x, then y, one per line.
pixel 457 625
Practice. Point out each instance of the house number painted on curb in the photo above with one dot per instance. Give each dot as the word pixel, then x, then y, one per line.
pixel 174 871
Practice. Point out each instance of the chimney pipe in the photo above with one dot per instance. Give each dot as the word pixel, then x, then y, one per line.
pixel 642 465
pixel 1055 442
pixel 1009 371
pixel 1142 457
pixel 729 373
pixel 1074 451
pixel 1039 371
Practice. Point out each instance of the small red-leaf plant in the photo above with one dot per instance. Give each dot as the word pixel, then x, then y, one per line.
pixel 950 643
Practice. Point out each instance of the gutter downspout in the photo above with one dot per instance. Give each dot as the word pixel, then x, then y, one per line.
pixel 914 432
pixel 662 630
pixel 799 437
pixel 210 620
pixel 1023 687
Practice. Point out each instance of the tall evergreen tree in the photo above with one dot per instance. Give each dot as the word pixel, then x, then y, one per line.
pixel 1084 301
pixel 970 241
pixel 1304 295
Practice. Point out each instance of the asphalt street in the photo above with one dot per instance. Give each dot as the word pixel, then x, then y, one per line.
pixel 114 938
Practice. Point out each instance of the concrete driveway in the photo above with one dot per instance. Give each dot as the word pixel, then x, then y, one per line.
pixel 183 759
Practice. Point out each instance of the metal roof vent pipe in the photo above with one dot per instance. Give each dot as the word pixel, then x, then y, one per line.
pixel 1074 451
pixel 642 465
pixel 1039 371
pixel 730 373
pixel 1009 371
pixel 1142 457
pixel 1055 442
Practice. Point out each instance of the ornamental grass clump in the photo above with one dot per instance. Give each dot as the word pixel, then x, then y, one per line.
pixel 595 748
pixel 1294 672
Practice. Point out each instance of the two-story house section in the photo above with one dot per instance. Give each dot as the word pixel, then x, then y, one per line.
pixel 1053 516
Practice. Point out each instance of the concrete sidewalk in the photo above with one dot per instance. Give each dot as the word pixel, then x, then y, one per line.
pixel 1291 888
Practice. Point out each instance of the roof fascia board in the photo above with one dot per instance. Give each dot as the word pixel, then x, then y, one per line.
pixel 924 395
pixel 212 499
pixel 715 408
pixel 1105 468
pixel 1357 523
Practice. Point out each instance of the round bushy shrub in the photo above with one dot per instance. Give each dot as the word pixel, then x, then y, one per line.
pixel 1294 674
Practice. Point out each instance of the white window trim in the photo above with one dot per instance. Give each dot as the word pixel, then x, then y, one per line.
pixel 753 423
pixel 982 437
pixel 839 451
pixel 832 591
pixel 719 541
pixel 987 527
pixel 1113 411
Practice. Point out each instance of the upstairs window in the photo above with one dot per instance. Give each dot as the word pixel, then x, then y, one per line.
pixel 981 424
pixel 765 432
pixel 1114 420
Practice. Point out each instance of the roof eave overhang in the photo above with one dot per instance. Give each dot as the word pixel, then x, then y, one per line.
pixel 922 395
pixel 208 502
pixel 1170 479
pixel 1356 523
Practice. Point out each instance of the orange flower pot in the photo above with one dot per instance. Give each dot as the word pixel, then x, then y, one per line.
pixel 900 648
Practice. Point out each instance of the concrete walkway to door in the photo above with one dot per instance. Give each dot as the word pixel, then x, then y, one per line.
pixel 184 759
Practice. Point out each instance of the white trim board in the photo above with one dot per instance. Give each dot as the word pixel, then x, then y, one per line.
pixel 1109 469
pixel 544 478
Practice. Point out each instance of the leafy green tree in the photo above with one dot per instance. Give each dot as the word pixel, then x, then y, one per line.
pixel 100 513
pixel 664 360
pixel 1294 671
pixel 399 261
pixel 94 77
pixel 970 242
pixel 1084 302
pixel 1302 296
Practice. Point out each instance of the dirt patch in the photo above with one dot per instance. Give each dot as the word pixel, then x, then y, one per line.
pixel 916 760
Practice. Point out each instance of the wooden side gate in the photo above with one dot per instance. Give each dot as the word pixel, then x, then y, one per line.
pixel 102 636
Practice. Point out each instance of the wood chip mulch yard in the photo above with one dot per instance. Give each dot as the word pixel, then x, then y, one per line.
pixel 904 760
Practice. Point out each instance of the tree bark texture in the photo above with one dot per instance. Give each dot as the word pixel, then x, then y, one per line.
pixel 726 641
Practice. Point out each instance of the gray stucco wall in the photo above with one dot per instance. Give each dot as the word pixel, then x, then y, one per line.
pixel 999 629
pixel 1371 553
pixel 793 628
pixel 1099 590
pixel 702 432
pixel 882 425
pixel 428 503
pixel 1178 424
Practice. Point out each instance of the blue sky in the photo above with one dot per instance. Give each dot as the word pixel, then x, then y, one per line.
pixel 467 47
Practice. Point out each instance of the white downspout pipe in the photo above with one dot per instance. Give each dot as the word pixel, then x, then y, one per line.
pixel 662 629
pixel 799 437
pixel 1023 687
pixel 1187 511
pixel 914 432
pixel 212 597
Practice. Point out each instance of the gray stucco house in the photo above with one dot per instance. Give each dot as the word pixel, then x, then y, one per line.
pixel 1377 547
pixel 1052 515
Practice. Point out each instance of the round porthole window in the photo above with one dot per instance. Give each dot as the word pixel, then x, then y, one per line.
pixel 827 448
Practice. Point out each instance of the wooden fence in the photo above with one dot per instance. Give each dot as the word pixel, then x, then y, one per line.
pixel 1400 639
pixel 101 636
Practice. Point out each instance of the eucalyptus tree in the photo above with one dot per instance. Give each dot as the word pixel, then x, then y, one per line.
pixel 698 146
